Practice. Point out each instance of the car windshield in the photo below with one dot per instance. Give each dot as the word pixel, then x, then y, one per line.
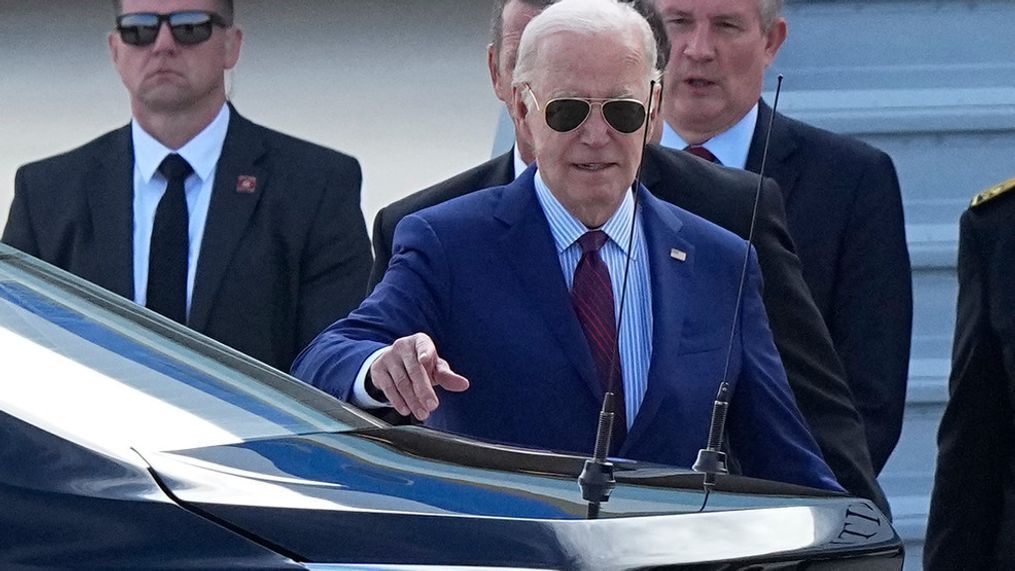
pixel 96 369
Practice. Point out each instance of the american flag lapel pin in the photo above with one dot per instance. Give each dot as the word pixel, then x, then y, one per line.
pixel 678 255
pixel 246 184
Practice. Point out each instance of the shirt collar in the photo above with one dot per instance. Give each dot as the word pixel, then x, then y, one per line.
pixel 730 147
pixel 202 152
pixel 566 229
pixel 520 165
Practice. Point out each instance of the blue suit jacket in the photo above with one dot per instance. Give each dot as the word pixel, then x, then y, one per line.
pixel 480 275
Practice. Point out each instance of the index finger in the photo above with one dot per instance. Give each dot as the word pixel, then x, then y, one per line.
pixel 425 352
pixel 416 365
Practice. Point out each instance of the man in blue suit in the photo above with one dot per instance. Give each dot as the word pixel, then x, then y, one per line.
pixel 520 288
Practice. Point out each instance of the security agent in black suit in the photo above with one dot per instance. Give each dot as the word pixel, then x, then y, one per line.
pixel 722 196
pixel 972 508
pixel 842 197
pixel 283 251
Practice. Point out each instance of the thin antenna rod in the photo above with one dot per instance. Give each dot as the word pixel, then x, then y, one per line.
pixel 750 233
pixel 711 459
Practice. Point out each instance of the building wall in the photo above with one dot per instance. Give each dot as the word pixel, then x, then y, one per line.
pixel 932 83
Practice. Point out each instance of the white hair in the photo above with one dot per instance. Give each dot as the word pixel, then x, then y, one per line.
pixel 587 17
pixel 770 11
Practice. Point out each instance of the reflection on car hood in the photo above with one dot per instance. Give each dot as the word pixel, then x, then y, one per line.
pixel 351 497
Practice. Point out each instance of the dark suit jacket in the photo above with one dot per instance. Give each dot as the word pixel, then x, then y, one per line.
pixel 276 266
pixel 972 509
pixel 480 274
pixel 724 197
pixel 844 211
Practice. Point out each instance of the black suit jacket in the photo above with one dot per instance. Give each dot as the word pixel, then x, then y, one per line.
pixel 972 509
pixel 724 197
pixel 844 211
pixel 277 265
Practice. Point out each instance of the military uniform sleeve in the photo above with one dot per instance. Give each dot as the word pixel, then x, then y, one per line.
pixel 975 440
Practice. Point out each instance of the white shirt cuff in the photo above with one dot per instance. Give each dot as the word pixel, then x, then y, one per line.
pixel 360 396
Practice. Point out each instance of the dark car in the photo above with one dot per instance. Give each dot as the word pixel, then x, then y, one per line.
pixel 127 441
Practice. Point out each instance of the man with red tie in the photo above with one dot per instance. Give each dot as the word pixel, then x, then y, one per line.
pixel 723 196
pixel 508 313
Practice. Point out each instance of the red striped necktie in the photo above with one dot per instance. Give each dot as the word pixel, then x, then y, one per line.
pixel 702 152
pixel 592 298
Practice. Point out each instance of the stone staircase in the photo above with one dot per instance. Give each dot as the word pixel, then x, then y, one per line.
pixel 932 83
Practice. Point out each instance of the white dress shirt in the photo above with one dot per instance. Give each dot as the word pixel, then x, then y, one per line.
pixel 202 152
pixel 520 165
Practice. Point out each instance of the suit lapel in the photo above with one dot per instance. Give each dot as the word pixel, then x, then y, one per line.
pixel 670 280
pixel 528 246
pixel 780 148
pixel 229 212
pixel 111 205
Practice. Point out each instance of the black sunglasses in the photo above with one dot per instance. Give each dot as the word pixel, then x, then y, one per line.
pixel 568 113
pixel 188 28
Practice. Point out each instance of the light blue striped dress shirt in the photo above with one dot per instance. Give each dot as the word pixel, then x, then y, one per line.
pixel 730 147
pixel 635 337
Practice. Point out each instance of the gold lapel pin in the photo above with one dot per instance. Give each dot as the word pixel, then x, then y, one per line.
pixel 678 255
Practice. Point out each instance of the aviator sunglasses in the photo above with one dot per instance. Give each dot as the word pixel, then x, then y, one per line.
pixel 188 28
pixel 568 113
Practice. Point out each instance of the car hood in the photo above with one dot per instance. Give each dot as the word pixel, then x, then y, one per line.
pixel 408 495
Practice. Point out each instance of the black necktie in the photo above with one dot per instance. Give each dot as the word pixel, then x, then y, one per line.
pixel 702 152
pixel 167 260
